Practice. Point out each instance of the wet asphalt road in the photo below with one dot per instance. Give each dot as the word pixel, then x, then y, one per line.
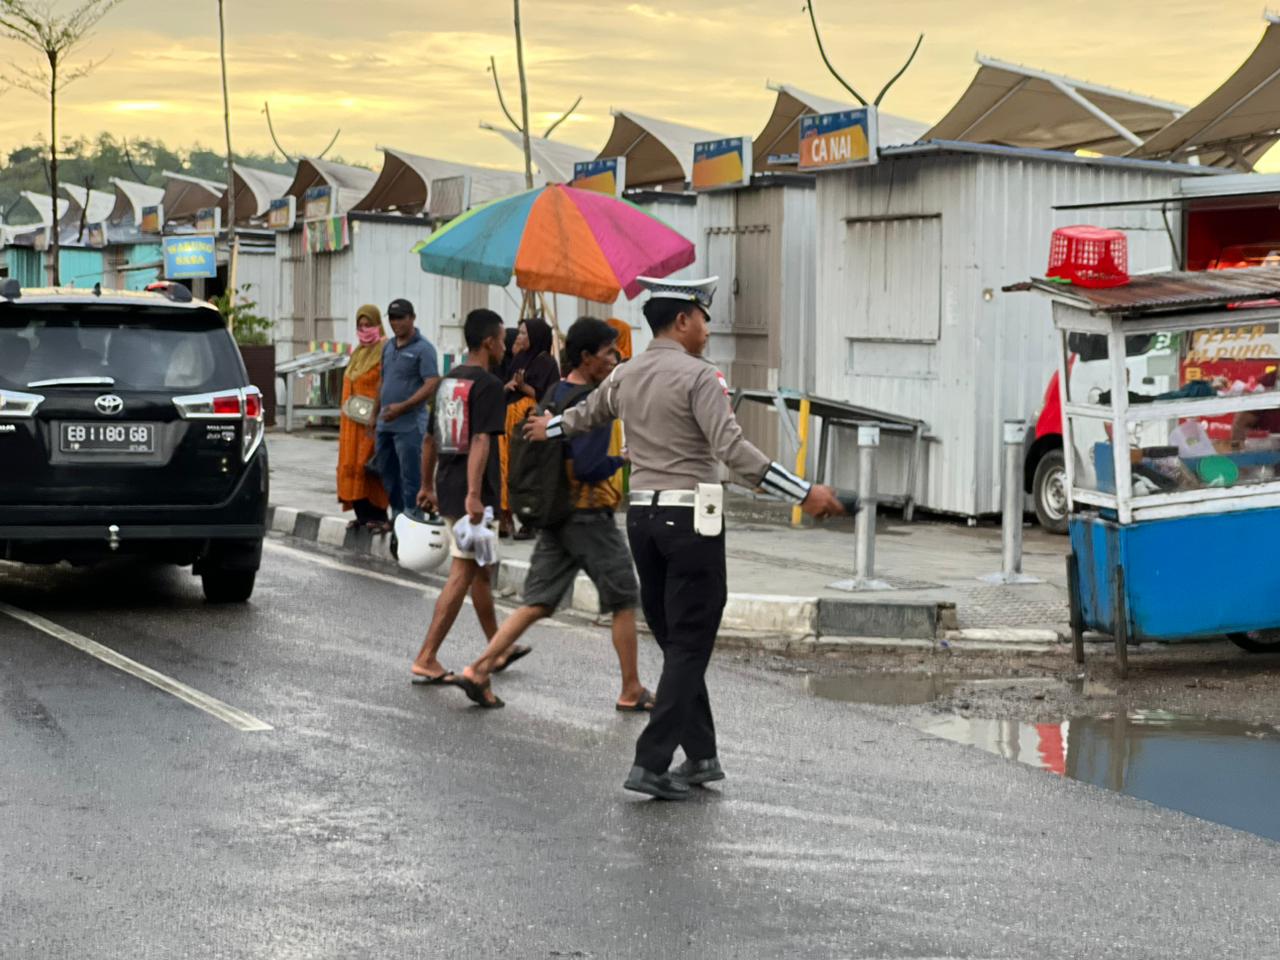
pixel 377 819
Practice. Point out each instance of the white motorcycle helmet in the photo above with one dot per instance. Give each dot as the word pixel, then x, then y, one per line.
pixel 422 547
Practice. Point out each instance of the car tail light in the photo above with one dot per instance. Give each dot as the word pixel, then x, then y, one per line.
pixel 254 423
pixel 243 405
pixel 14 403
pixel 227 405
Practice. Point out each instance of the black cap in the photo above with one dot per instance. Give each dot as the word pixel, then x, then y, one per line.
pixel 400 307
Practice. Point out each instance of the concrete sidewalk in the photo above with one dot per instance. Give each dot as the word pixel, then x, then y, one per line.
pixel 779 577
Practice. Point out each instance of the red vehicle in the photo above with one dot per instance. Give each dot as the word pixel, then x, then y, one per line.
pixel 1228 221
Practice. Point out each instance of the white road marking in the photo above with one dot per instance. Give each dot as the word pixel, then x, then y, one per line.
pixel 228 714
pixel 323 561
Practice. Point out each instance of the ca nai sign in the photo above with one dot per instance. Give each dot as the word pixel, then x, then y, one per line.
pixel 187 258
pixel 722 164
pixel 607 175
pixel 833 141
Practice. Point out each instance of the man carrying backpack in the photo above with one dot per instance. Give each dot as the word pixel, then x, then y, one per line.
pixel 460 478
pixel 574 511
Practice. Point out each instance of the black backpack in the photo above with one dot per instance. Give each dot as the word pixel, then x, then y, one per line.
pixel 537 483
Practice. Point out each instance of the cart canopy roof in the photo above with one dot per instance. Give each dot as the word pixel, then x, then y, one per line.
pixel 1168 292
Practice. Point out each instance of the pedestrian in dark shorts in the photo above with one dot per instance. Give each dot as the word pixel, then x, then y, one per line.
pixel 460 477
pixel 589 540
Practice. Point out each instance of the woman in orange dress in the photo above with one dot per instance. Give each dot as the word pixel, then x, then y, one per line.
pixel 533 372
pixel 360 489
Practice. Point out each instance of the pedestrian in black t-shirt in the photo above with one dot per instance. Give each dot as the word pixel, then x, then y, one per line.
pixel 461 476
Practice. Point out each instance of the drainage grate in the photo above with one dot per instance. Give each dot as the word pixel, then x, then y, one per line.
pixel 1025 606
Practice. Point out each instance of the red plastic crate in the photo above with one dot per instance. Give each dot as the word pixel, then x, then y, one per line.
pixel 1089 256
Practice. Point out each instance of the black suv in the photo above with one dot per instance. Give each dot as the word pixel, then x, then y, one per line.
pixel 128 425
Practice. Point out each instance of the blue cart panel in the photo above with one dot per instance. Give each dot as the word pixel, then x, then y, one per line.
pixel 1184 577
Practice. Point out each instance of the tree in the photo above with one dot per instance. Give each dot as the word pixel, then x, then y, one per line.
pixel 54 39
pixel 522 125
pixel 813 19
pixel 231 180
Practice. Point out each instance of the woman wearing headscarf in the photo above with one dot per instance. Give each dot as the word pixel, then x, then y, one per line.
pixel 361 489
pixel 533 372
pixel 623 346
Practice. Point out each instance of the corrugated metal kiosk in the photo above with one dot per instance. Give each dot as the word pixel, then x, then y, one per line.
pixel 912 253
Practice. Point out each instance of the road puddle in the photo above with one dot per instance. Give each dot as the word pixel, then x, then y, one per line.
pixel 887 688
pixel 1216 770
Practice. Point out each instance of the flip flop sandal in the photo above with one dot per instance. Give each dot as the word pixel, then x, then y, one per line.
pixel 645 704
pixel 446 679
pixel 476 694
pixel 515 654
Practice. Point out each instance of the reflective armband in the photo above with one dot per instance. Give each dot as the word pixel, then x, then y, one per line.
pixel 554 430
pixel 781 482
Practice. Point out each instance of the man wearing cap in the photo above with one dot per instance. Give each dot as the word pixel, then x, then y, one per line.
pixel 680 425
pixel 410 375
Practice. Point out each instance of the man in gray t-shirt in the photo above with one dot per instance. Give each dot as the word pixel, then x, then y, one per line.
pixel 410 375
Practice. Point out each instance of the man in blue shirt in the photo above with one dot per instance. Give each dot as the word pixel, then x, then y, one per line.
pixel 410 375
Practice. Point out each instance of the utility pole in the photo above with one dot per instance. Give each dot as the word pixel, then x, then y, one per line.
pixel 232 239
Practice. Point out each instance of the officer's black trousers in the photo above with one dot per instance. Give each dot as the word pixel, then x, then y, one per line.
pixel 683 589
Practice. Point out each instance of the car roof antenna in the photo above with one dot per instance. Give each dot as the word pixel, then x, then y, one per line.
pixel 97 289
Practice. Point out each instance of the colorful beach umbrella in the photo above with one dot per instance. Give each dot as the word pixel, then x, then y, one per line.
pixel 557 239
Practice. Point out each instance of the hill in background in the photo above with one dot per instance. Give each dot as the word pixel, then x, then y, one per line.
pixel 97 161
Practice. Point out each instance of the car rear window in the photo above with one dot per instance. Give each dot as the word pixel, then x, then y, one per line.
pixel 151 349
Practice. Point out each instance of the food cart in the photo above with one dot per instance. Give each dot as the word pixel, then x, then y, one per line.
pixel 1175 535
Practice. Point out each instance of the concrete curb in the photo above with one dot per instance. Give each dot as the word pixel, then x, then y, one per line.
pixel 771 622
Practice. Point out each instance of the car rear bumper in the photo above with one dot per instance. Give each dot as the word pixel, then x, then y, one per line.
pixel 82 528
pixel 126 532
pixel 245 506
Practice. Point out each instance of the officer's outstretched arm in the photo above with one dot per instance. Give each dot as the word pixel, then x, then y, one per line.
pixel 596 410
pixel 714 413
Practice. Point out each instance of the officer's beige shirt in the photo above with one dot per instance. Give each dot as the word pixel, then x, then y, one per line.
pixel 679 421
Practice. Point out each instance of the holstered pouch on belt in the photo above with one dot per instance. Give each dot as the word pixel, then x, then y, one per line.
pixel 708 510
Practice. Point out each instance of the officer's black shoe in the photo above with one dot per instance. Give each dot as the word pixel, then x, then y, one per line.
pixel 697 772
pixel 660 785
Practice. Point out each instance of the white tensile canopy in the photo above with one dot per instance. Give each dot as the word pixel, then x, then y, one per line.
pixel 255 189
pixel 1237 123
pixel 351 183
pixel 185 195
pixel 130 198
pixel 1018 106
pixel 554 160
pixel 404 183
pixel 659 152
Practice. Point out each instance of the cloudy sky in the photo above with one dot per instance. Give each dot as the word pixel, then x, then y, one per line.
pixel 412 73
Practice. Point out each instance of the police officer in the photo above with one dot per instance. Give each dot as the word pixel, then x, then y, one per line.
pixel 680 424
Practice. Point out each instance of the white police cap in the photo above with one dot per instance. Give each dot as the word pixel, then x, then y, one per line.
pixel 695 291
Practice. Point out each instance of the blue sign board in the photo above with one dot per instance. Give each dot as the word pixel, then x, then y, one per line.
pixel 718 164
pixel 186 258
pixel 607 176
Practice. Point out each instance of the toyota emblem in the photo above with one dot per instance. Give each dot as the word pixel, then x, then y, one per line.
pixel 109 404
